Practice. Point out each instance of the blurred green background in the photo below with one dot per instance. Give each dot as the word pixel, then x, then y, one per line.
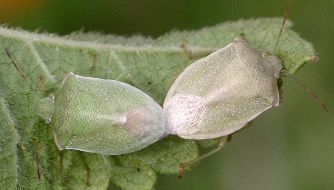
pixel 288 147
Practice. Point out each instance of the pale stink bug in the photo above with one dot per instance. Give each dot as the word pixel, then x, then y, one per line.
pixel 219 94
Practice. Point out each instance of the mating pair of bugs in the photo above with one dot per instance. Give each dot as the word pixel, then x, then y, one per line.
pixel 213 97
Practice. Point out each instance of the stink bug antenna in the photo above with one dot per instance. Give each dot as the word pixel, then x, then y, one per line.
pixel 311 93
pixel 286 14
pixel 305 87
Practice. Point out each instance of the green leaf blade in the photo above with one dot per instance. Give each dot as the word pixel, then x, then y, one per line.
pixel 8 148
pixel 41 61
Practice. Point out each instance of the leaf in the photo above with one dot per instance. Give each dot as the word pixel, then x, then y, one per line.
pixel 8 148
pixel 85 171
pixel 31 66
pixel 138 170
pixel 262 33
pixel 164 157
pixel 132 176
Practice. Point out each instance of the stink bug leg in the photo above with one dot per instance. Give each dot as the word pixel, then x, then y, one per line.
pixel 220 146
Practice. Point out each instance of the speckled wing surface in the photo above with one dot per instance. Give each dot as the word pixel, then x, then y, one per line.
pixel 217 95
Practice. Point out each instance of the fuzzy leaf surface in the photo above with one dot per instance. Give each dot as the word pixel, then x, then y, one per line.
pixel 32 65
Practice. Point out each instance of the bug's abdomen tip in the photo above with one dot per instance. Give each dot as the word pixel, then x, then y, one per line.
pixel 185 113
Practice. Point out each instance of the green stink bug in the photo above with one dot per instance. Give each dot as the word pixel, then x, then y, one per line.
pixel 104 116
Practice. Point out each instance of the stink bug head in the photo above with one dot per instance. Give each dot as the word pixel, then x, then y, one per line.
pixel 275 63
pixel 105 116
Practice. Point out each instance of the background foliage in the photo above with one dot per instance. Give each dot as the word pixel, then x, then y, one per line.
pixel 289 147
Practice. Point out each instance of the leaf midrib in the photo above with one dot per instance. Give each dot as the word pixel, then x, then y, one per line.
pixel 28 36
